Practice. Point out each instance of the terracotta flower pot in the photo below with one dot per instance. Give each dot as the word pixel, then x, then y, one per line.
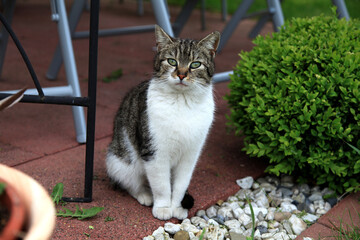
pixel 10 200
pixel 39 208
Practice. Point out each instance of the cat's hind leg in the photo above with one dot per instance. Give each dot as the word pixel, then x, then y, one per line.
pixel 130 176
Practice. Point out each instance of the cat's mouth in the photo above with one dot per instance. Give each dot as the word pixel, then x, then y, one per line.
pixel 181 84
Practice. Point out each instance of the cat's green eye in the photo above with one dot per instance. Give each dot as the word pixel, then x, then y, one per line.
pixel 194 65
pixel 172 62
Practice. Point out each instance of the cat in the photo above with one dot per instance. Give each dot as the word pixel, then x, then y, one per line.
pixel 161 125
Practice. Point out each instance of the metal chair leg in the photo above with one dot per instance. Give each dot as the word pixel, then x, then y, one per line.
pixel 70 67
pixel 74 17
pixel 341 9
pixel 232 24
pixel 9 7
pixel 162 16
pixel 274 7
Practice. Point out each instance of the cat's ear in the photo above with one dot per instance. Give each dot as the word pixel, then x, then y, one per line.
pixel 162 38
pixel 211 42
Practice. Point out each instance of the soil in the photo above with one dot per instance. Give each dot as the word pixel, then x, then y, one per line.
pixel 4 217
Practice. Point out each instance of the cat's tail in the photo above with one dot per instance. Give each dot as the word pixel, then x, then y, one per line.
pixel 188 201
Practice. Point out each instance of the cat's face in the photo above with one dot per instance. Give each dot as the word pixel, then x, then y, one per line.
pixel 184 64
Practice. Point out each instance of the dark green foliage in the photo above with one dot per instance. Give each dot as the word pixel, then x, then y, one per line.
pixel 296 98
pixel 2 188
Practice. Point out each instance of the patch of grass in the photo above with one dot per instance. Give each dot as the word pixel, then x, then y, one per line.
pixel 346 231
pixel 115 75
pixel 290 7
pixel 109 219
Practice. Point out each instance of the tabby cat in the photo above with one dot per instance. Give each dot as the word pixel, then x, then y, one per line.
pixel 161 125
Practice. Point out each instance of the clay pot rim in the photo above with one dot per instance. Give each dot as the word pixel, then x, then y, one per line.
pixel 17 212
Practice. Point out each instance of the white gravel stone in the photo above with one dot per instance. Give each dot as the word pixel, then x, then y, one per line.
pixel 319 204
pixel 256 210
pixel 321 211
pixel 255 185
pixel 149 238
pixel 211 212
pixel 300 198
pixel 267 235
pixel 272 203
pixel 262 201
pixel 287 207
pixel 263 223
pixel 187 226
pixel 312 208
pixel 160 234
pixel 172 228
pixel 327 206
pixel 235 205
pixel 270 216
pixel 257 234
pixel 244 219
pixel 310 217
pixel 226 212
pixel 281 235
pixel 287 226
pixel 198 222
pixel 292 236
pixel 237 212
pixel 213 222
pixel 248 232
pixel 297 224
pixel 214 232
pixel 244 194
pixel 273 225
pixel 245 183
pixel 267 187
pixel 233 224
pixel 315 196
pixel 192 236
pixel 200 213
pixel 232 199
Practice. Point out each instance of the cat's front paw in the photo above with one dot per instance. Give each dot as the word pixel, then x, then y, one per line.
pixel 180 213
pixel 162 213
pixel 145 198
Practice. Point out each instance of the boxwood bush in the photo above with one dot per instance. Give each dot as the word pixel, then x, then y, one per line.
pixel 296 98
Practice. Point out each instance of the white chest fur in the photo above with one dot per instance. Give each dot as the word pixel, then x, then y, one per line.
pixel 179 122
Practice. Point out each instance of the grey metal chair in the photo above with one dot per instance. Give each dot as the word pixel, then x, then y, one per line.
pixel 73 87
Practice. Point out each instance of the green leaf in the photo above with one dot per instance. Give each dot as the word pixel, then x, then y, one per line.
pixel 201 237
pixel 353 147
pixel 113 76
pixel 270 134
pixel 80 214
pixel 57 193
pixel 260 101
pixel 2 188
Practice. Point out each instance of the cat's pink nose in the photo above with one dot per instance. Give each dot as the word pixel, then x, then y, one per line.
pixel 181 76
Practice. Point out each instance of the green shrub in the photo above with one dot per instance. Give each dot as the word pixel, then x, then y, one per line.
pixel 296 98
